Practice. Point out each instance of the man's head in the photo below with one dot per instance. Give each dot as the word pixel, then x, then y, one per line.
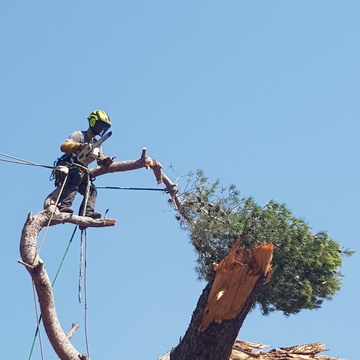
pixel 99 122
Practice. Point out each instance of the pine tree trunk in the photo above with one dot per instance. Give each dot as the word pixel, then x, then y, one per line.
pixel 217 340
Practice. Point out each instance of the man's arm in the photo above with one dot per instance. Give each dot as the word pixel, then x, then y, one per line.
pixel 71 147
pixel 74 144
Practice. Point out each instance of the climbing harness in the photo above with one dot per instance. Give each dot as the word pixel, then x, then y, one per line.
pixel 58 174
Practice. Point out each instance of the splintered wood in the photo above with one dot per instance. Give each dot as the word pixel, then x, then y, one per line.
pixel 235 279
pixel 243 350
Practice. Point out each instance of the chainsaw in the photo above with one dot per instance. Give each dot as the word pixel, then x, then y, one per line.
pixel 92 150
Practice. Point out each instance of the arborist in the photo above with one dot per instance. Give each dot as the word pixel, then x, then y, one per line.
pixel 81 149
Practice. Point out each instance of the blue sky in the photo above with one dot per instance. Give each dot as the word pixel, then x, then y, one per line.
pixel 262 94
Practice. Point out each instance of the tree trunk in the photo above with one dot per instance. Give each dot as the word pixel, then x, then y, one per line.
pixel 215 343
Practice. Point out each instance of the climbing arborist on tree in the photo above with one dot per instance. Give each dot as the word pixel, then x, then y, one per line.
pixel 81 149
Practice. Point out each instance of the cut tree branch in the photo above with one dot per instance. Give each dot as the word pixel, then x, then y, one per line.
pixel 245 350
pixel 147 163
pixel 121 166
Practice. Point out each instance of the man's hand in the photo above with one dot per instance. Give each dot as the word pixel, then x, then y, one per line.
pixel 82 146
pixel 108 161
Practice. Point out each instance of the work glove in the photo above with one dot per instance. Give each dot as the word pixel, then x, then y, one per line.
pixel 70 147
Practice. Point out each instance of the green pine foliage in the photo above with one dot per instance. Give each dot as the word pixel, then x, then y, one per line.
pixel 306 264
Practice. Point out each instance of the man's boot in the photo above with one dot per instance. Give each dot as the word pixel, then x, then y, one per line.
pixel 93 215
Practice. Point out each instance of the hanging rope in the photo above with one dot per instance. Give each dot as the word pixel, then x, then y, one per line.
pixel 83 232
pixel 82 283
pixel 83 263
pixel 85 297
pixel 38 325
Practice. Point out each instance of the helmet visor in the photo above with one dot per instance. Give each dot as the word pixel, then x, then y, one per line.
pixel 100 128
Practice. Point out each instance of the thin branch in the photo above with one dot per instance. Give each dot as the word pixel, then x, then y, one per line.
pixel 72 331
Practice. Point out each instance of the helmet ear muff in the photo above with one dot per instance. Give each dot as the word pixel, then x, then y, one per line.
pixel 92 121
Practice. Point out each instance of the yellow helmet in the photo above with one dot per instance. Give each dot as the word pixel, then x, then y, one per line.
pixel 99 122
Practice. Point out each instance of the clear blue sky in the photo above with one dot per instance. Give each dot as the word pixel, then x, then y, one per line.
pixel 263 94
